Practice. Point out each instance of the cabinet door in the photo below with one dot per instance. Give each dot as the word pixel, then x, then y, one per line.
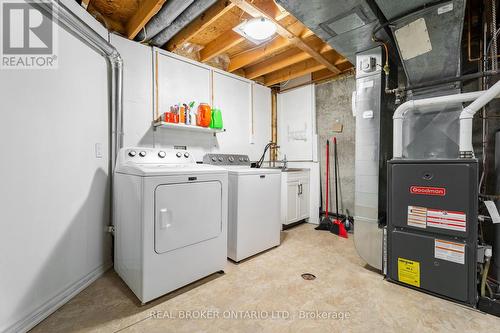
pixel 181 81
pixel 304 200
pixel 233 97
pixel 292 210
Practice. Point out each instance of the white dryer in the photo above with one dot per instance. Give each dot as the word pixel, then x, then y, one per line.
pixel 170 220
pixel 254 223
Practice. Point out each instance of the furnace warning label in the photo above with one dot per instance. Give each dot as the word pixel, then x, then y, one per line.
pixel 422 217
pixel 409 272
pixel 449 251
pixel 417 217
pixel 445 219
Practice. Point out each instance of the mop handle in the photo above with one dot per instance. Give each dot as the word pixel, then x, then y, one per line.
pixel 336 175
pixel 327 172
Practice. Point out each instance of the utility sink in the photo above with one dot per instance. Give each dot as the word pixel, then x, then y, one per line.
pixel 286 169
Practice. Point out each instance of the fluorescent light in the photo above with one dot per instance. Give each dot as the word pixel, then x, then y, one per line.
pixel 257 30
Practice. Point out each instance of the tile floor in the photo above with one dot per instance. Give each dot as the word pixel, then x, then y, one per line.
pixel 266 293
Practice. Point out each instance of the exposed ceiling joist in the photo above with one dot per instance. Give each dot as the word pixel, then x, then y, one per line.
pixel 200 23
pixel 146 11
pixel 302 68
pixel 279 43
pixel 230 39
pixel 255 11
pixel 220 45
pixel 85 3
pixel 321 75
pixel 284 59
pixel 293 71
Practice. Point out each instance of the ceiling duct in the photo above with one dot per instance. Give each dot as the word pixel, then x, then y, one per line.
pixel 346 25
pixel 164 18
pixel 196 9
pixel 429 41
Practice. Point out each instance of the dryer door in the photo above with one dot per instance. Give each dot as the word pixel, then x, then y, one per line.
pixel 187 213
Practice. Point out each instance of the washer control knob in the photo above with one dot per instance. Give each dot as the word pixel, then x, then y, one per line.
pixel 132 153
pixel 142 153
pixel 242 159
pixel 231 159
pixel 186 155
pixel 214 159
pixel 221 159
pixel 162 154
pixel 246 159
pixel 179 155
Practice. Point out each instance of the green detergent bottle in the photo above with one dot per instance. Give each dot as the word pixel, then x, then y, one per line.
pixel 216 119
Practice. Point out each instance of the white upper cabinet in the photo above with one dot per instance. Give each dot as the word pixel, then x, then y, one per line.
pixel 245 106
pixel 233 97
pixel 261 120
pixel 180 81
pixel 297 124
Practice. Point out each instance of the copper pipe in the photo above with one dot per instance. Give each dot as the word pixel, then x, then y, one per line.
pixel 469 40
pixel 274 125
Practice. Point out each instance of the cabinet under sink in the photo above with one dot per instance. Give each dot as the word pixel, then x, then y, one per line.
pixel 295 185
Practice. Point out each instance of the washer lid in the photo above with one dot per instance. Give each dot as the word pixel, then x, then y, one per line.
pixel 252 171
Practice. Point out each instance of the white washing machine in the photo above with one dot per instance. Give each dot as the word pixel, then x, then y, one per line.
pixel 254 223
pixel 170 220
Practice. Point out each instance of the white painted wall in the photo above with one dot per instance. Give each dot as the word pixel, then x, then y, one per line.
pixel 54 197
pixel 137 92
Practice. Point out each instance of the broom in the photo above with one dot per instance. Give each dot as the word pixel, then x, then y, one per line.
pixel 337 227
pixel 326 222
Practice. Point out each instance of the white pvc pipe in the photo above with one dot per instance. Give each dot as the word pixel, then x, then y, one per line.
pixel 403 109
pixel 467 115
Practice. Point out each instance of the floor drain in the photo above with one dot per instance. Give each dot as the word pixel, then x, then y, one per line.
pixel 308 276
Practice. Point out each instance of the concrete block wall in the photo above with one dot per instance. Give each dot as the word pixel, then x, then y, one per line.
pixel 333 108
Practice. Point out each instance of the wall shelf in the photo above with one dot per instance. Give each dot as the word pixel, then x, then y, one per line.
pixel 182 127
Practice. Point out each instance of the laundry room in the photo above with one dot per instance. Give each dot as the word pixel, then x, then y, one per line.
pixel 249 166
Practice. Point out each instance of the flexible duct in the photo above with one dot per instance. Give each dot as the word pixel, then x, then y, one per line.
pixel 191 13
pixel 71 22
pixel 163 19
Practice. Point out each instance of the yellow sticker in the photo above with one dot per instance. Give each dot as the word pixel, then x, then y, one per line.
pixel 409 272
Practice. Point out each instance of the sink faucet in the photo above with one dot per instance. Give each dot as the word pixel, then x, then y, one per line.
pixel 261 160
pixel 285 162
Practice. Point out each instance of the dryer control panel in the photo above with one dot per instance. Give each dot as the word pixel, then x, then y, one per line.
pixel 142 155
pixel 227 159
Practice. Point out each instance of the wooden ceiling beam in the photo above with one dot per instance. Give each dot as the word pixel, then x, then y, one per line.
pixel 293 71
pixel 302 68
pixel 146 11
pixel 284 59
pixel 255 55
pixel 220 45
pixel 230 38
pixel 256 11
pixel 85 3
pixel 203 21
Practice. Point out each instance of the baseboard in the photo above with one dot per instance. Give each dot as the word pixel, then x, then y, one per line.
pixel 34 318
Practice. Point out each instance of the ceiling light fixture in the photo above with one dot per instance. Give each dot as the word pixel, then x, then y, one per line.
pixel 257 30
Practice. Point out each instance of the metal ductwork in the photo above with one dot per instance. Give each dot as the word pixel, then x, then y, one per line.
pixel 429 40
pixel 167 14
pixel 346 25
